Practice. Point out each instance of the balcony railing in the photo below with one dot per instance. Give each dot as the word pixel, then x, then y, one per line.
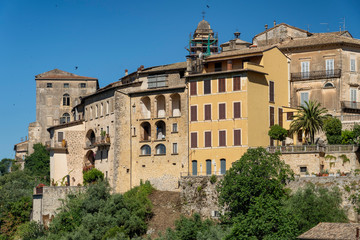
pixel 102 141
pixel 350 105
pixel 303 76
pixel 52 145
pixel 349 118
pixel 313 148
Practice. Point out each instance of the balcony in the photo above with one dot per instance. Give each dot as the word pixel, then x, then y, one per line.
pixel 326 74
pixel 56 146
pixel 349 118
pixel 350 106
pixel 313 149
pixel 102 141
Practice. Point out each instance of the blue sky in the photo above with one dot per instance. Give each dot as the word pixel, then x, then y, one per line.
pixel 105 37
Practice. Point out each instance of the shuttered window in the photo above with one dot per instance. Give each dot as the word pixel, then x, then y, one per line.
pixel 207 139
pixel 289 115
pixel 156 81
pixel 194 140
pixel 193 113
pixel 207 109
pixel 221 85
pixel 237 110
pixel 271 91
pixel 222 138
pixel 222 114
pixel 280 117
pixel 272 117
pixel 237 137
pixel 236 84
pixel 193 89
pixel 207 86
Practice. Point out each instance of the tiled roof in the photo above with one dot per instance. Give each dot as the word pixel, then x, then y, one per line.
pixel 167 67
pixel 282 24
pixel 330 231
pixel 240 52
pixel 60 74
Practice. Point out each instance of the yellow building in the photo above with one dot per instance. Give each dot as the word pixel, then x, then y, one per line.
pixel 233 100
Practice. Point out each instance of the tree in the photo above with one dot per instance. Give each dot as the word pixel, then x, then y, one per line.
pixel 38 163
pixel 277 132
pixel 332 127
pixel 251 192
pixel 92 176
pixel 5 165
pixel 309 119
pixel 347 137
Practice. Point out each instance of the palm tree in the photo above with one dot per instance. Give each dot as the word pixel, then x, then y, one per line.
pixel 309 119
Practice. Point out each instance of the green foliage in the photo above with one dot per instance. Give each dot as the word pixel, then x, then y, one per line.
pixel 93 176
pixel 309 119
pixel 277 132
pixel 38 163
pixel 29 231
pixel 312 205
pixel 344 158
pixel 5 164
pixel 96 213
pixel 332 126
pixel 347 137
pixel 213 179
pixel 356 132
pixel 330 157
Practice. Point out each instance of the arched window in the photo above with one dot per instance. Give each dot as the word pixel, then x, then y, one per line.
pixel 208 167
pixel 145 131
pixel 160 149
pixel 145 150
pixel 66 99
pixel 160 130
pixel 222 166
pixel 160 105
pixel 175 104
pixel 90 138
pixel 194 167
pixel 145 107
pixel 328 85
pixel 65 118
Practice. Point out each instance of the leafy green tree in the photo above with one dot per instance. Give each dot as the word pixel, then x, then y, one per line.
pixel 93 175
pixel 38 163
pixel 251 194
pixel 309 119
pixel 5 164
pixel 277 132
pixel 347 137
pixel 313 204
pixel 332 128
pixel 356 132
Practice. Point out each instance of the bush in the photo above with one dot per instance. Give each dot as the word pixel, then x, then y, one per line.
pixel 347 137
pixel 92 176
pixel 30 230
pixel 332 128
pixel 213 179
pixel 277 132
pixel 356 132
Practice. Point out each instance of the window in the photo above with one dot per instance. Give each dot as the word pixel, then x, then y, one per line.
pixel 305 69
pixel 145 131
pixel 175 148
pixel 218 67
pixel 236 84
pixel 237 137
pixel 193 88
pixel 101 109
pixel 108 130
pixel 160 130
pixel 303 169
pixel 65 118
pixel 237 110
pixel 91 113
pixel 208 139
pixel 222 138
pixel 96 111
pixel 66 85
pixel 145 150
pixel 271 91
pixel 157 81
pixel 352 65
pixel 222 166
pixel 208 167
pixel 145 107
pixel 60 136
pixel 207 86
pixel 328 85
pixel 304 97
pixel 174 127
pixel 66 100
pixel 299 136
pixel 353 97
pixel 272 116
pixel 193 139
pixel 107 107
pixel 194 167
pixel 49 85
pixel 280 116
pixel 176 105
pixel 289 115
pixel 160 149
pixel 193 113
pixel 207 111
pixel 222 113
pixel 82 85
pixel 221 85
pixel 160 104
pixel 329 67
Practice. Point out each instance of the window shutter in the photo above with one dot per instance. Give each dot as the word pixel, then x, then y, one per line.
pixel 271 92
pixel 289 115
pixel 280 117
pixel 237 110
pixel 207 139
pixel 236 84
pixel 194 140
pixel 193 113
pixel 222 114
pixel 207 86
pixel 272 121
pixel 207 112
pixel 193 90
pixel 221 84
pixel 222 138
pixel 237 137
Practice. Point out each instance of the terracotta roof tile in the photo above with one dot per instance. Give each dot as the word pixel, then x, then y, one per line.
pixel 330 231
pixel 59 74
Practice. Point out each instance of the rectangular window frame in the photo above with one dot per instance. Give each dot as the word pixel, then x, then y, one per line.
pixel 66 85
pixel 49 85
pixel 235 88
pixel 219 140
pixel 352 64
pixel 302 100
pixel 219 111
pixel 271 116
pixel 174 127
pixel 207 89
pixel 234 142
pixel 240 113
pixel 271 91
pixel 193 88
pixel 211 138
pixel 193 118
pixel 205 117
pixel 194 144
pixel 221 89
pixel 175 148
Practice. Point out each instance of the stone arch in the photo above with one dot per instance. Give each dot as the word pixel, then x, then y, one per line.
pixel 160 130
pixel 145 107
pixel 145 131
pixel 90 138
pixel 160 106
pixel 89 159
pixel 175 105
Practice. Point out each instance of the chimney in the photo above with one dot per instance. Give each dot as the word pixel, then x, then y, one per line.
pixel 266 26
pixel 126 72
pixel 274 23
pixel 237 34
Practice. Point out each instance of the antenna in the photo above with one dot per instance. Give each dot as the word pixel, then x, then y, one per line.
pixel 308 27
pixel 327 26
pixel 343 22
pixel 203 14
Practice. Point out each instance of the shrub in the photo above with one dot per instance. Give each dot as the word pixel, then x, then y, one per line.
pixel 332 128
pixel 277 132
pixel 347 137
pixel 213 179
pixel 92 176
